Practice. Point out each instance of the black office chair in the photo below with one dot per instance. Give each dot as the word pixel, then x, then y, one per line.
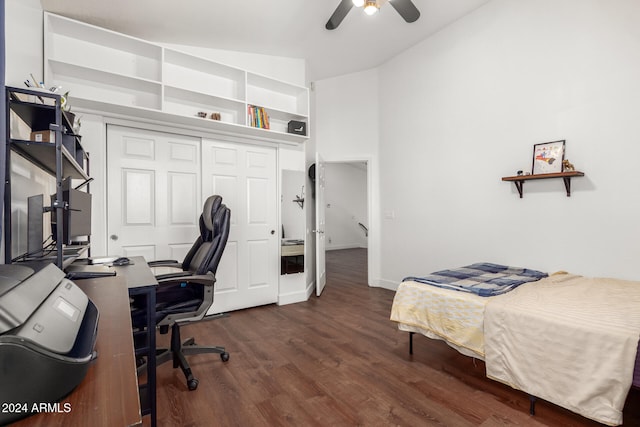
pixel 185 294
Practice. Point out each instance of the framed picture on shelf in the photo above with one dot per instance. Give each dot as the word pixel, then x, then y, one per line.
pixel 548 157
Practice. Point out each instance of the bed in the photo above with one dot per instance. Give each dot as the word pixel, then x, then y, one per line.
pixel 564 338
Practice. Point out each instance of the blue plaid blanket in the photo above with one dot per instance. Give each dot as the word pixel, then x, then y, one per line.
pixel 483 279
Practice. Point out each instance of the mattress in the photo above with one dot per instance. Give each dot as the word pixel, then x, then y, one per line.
pixel 568 339
pixel 452 316
pixel 457 318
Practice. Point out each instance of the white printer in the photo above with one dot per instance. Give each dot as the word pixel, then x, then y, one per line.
pixel 48 328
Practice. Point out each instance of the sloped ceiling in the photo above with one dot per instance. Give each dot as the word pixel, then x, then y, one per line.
pixel 289 28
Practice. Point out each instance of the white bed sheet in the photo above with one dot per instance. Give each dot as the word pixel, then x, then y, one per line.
pixel 455 317
pixel 567 339
pixel 459 319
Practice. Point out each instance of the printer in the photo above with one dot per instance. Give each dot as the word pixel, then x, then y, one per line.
pixel 48 329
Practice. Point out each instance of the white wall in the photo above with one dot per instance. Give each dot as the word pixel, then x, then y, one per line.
pixel 23 50
pixel 346 205
pixel 464 107
pixel 346 128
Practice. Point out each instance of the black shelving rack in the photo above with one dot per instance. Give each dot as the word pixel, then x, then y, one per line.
pixel 42 111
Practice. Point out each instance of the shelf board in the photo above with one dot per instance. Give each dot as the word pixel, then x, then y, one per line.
pixel 519 180
pixel 186 99
pixel 187 122
pixel 38 116
pixel 43 154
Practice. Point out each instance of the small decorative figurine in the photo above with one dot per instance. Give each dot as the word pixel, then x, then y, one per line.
pixel 567 166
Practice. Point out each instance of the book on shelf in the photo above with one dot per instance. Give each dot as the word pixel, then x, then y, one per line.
pixel 258 117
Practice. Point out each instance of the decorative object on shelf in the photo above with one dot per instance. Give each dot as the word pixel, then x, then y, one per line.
pixel 548 157
pixel 202 114
pixel 258 117
pixel 567 166
pixel 64 100
pixel 215 116
pixel 77 125
pixel 299 128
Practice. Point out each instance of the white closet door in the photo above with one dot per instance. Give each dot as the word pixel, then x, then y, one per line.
pixel 154 193
pixel 245 177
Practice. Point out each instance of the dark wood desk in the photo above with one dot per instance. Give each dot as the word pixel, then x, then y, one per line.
pixel 108 395
pixel 139 280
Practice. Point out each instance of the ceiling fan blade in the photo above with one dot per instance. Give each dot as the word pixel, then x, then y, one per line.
pixel 406 9
pixel 341 11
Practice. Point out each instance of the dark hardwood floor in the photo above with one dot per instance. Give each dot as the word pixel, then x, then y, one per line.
pixel 338 360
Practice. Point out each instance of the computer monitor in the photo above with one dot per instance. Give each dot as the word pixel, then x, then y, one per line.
pixel 76 218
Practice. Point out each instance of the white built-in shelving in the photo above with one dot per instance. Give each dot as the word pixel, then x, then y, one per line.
pixel 117 74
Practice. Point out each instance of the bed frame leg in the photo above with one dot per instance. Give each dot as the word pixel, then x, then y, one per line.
pixel 532 405
pixel 411 342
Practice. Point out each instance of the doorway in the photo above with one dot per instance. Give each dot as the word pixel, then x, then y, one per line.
pixel 347 218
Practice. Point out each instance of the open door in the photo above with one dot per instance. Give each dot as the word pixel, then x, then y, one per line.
pixel 321 266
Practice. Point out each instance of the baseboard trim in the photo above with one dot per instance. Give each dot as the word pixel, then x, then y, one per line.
pixel 295 297
pixel 386 284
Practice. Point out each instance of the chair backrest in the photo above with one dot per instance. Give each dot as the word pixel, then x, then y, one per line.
pixel 214 225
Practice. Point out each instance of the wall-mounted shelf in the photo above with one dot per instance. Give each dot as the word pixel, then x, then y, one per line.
pixel 118 75
pixel 519 180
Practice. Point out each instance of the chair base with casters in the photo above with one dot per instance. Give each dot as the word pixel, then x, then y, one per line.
pixel 190 307
pixel 179 350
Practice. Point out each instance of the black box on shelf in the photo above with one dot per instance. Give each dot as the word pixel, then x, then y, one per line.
pixel 80 155
pixel 68 120
pixel 299 128
pixel 69 142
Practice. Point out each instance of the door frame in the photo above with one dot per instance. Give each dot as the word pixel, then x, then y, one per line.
pixel 372 232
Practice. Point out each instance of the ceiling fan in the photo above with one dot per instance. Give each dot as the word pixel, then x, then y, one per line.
pixel 405 8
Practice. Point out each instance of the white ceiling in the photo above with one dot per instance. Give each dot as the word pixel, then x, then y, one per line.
pixel 289 28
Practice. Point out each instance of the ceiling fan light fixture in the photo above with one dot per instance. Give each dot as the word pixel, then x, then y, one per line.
pixel 371 7
pixel 358 3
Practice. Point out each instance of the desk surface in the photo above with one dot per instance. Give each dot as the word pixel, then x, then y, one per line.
pixel 135 275
pixel 108 395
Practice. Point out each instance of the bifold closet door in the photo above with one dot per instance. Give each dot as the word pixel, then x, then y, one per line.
pixel 245 177
pixel 154 193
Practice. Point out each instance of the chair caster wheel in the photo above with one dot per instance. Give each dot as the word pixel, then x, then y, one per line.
pixel 192 384
pixel 224 356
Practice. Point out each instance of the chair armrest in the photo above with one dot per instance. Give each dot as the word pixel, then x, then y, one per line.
pixel 167 286
pixel 172 275
pixel 165 263
pixel 201 279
